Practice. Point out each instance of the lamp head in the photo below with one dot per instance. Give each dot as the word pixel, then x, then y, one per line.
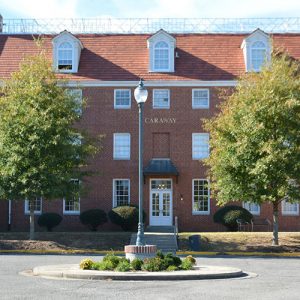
pixel 140 93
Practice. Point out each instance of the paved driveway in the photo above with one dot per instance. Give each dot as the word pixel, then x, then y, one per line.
pixel 277 279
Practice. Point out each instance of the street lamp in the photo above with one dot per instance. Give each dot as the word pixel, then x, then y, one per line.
pixel 140 95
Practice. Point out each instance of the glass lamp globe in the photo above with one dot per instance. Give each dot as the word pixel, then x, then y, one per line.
pixel 140 93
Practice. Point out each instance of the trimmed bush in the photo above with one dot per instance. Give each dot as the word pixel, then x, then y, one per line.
pixel 123 266
pixel 153 264
pixel 125 216
pixel 113 259
pixel 191 259
pixel 49 220
pixel 228 215
pixel 136 264
pixel 186 264
pixel 93 218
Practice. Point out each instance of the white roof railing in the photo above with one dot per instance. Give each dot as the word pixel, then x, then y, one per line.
pixel 150 25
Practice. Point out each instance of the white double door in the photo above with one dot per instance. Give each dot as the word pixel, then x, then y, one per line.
pixel 161 207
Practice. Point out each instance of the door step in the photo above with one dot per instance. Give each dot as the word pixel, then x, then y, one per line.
pixel 164 229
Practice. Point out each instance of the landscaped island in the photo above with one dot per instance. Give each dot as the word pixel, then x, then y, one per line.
pixel 160 262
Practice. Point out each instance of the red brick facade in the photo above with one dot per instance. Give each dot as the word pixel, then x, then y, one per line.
pixel 207 58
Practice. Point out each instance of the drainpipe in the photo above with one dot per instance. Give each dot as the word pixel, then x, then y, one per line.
pixel 1 24
pixel 9 215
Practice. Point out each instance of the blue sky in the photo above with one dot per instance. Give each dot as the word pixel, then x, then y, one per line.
pixel 149 8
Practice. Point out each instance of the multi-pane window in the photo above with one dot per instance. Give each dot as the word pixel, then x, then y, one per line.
pixel 289 208
pixel 254 208
pixel 200 145
pixel 65 56
pixel 201 197
pixel 200 98
pixel 121 192
pixel 71 203
pixel 122 146
pixel 122 99
pixel 37 206
pixel 161 98
pixel 77 96
pixel 161 56
pixel 258 55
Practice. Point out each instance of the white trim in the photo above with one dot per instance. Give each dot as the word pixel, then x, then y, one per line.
pixel 155 107
pixel 200 107
pixel 194 134
pixel 204 213
pixel 114 148
pixel 157 190
pixel 255 213
pixel 151 83
pixel 36 212
pixel 289 213
pixel 113 195
pixel 70 212
pixel 122 106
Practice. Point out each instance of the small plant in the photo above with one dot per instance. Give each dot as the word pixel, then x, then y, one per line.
pixel 172 260
pixel 153 264
pixel 123 266
pixel 105 266
pixel 93 218
pixel 191 259
pixel 228 215
pixel 160 254
pixel 113 259
pixel 49 220
pixel 136 264
pixel 86 264
pixel 186 264
pixel 172 268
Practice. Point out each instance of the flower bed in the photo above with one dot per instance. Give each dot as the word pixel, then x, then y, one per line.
pixel 160 262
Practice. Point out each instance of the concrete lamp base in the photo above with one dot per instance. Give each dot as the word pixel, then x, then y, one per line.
pixel 141 252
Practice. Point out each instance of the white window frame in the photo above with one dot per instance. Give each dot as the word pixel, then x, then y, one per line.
pixel 114 200
pixel 115 99
pixel 168 48
pixel 71 212
pixel 194 106
pixel 249 205
pixel 153 99
pixel 193 145
pixel 253 47
pixel 289 213
pixel 73 60
pixel 36 212
pixel 115 155
pixel 195 212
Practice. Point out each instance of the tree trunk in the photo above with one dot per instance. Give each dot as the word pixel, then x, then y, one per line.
pixel 275 223
pixel 31 219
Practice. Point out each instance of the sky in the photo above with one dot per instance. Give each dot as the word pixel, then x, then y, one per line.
pixel 16 9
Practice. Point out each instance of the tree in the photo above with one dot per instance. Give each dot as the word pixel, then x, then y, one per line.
pixel 255 140
pixel 40 150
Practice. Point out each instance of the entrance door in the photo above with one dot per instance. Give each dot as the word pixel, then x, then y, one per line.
pixel 161 202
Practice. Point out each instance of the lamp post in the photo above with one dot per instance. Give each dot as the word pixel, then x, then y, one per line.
pixel 140 95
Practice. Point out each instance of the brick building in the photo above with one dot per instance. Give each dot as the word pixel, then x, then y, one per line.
pixel 183 74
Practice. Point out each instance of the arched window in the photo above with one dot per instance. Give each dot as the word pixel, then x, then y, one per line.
pixel 258 55
pixel 65 56
pixel 161 56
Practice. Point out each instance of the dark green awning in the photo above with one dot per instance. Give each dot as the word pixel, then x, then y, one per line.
pixel 160 167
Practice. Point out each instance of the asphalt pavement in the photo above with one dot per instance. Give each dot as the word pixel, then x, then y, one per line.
pixel 278 278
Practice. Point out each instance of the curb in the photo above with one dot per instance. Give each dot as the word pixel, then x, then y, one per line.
pixel 73 272
pixel 119 252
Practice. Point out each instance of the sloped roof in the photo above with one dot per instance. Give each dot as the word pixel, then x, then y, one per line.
pixel 125 57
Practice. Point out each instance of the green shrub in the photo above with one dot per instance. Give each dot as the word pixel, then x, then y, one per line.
pixel 172 268
pixel 49 220
pixel 153 264
pixel 96 265
pixel 93 218
pixel 191 259
pixel 125 216
pixel 104 265
pixel 113 259
pixel 186 264
pixel 136 264
pixel 86 264
pixel 228 215
pixel 171 260
pixel 160 254
pixel 123 266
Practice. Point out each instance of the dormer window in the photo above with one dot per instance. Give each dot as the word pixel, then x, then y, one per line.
pixel 65 56
pixel 257 50
pixel 161 56
pixel 66 52
pixel 258 55
pixel 161 47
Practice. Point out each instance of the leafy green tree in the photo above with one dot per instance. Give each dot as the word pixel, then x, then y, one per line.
pixel 41 146
pixel 255 140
